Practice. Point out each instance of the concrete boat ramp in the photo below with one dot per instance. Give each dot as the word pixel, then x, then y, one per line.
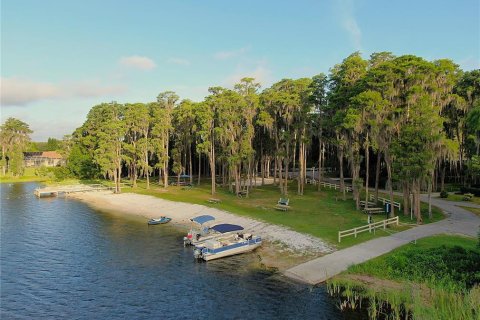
pixel 459 221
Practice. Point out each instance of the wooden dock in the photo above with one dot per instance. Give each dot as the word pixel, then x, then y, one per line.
pixel 59 191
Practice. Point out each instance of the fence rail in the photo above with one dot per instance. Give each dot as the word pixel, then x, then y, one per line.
pixel 368 227
pixel 335 186
pixel 385 201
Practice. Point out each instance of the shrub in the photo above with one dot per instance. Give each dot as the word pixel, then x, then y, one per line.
pixel 54 173
pixel 444 194
pixel 468 197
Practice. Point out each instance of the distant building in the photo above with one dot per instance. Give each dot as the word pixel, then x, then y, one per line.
pixel 45 158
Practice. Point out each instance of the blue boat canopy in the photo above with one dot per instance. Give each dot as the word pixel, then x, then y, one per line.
pixel 226 227
pixel 202 219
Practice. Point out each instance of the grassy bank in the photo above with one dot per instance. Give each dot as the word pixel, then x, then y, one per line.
pixel 321 214
pixel 29 176
pixel 436 278
pixel 460 197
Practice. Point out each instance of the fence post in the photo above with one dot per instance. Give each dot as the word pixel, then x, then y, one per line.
pixel 384 224
pixel 355 232
pixel 339 238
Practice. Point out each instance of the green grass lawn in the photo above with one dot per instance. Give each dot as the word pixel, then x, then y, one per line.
pixel 317 213
pixel 418 262
pixel 436 278
pixel 459 198
pixel 29 176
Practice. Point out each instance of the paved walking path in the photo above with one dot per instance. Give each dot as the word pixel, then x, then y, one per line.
pixel 459 221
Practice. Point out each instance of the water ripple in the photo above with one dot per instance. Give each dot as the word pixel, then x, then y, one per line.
pixel 62 260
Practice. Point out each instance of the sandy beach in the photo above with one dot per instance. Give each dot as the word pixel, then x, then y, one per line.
pixel 291 246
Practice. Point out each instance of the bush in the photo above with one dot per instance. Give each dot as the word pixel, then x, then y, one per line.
pixel 467 197
pixel 444 194
pixel 54 173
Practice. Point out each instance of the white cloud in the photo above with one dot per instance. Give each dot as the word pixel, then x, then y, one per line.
pixel 15 91
pixel 179 61
pixel 346 10
pixel 138 62
pixel 224 55
pixel 20 92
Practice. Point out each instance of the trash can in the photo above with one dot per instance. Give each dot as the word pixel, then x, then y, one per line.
pixel 387 209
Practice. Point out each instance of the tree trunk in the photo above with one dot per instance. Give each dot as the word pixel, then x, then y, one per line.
pixel 199 167
pixel 280 175
pixel 377 174
pixel 146 170
pixel 319 163
pixel 430 186
pixel 367 170
pixel 191 165
pixel 212 168
pixel 406 198
pixel 442 178
pixel 340 162
pixel 287 158
pixel 418 212
pixel 390 185
pixel 165 175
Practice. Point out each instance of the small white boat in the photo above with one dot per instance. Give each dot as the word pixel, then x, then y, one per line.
pixel 227 244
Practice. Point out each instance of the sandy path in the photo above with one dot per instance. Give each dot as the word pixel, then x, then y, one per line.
pixel 152 207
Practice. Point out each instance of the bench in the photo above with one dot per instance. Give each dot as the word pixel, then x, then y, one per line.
pixel 283 201
pixel 373 210
pixel 242 194
pixel 214 200
pixel 282 207
pixel 362 203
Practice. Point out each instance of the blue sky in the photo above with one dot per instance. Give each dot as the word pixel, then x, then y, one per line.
pixel 59 58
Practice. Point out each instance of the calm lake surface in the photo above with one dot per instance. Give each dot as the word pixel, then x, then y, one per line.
pixel 61 259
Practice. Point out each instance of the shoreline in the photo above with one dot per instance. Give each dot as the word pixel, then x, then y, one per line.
pixel 283 248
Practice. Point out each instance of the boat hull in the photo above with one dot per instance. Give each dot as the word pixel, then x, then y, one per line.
pixel 231 252
pixel 213 251
pixel 163 221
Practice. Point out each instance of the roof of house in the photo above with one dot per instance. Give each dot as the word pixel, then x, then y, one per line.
pixel 44 154
pixel 52 155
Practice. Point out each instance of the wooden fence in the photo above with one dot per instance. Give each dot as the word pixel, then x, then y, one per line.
pixel 335 186
pixel 368 227
pixel 384 201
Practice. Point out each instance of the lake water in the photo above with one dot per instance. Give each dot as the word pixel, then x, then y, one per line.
pixel 61 259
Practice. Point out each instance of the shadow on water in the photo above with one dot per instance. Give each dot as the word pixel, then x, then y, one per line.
pixel 62 259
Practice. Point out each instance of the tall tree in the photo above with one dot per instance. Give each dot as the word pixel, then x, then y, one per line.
pixel 345 83
pixel 162 126
pixel 319 100
pixel 14 137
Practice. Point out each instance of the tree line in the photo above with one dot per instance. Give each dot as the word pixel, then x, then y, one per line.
pixel 416 120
